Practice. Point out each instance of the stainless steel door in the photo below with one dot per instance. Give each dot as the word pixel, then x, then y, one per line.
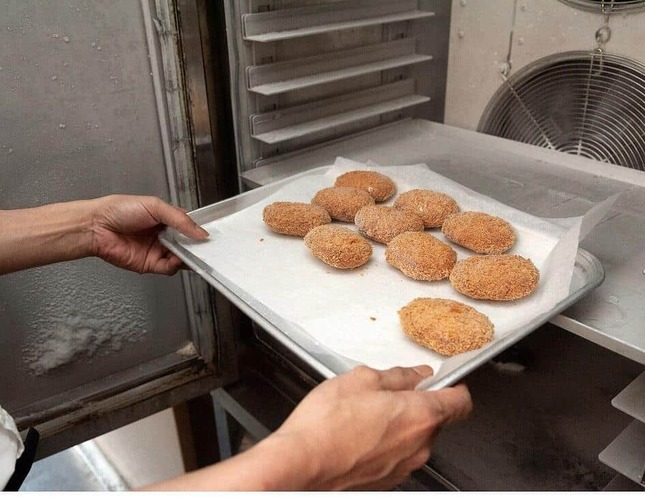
pixel 91 103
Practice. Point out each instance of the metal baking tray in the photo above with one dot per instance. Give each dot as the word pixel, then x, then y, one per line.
pixel 588 274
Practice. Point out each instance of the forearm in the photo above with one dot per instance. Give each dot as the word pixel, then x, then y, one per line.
pixel 276 463
pixel 44 235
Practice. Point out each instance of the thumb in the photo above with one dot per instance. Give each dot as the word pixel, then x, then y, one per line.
pixel 176 218
pixel 403 378
pixel 453 403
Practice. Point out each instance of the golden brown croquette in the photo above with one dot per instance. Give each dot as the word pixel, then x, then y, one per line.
pixel 421 256
pixel 338 246
pixel 379 186
pixel 294 218
pixel 445 326
pixel 432 207
pixel 495 277
pixel 479 232
pixel 382 223
pixel 342 202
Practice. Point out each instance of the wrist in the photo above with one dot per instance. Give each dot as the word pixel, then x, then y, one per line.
pixel 76 229
pixel 289 462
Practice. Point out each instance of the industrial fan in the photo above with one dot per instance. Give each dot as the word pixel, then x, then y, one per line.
pixel 585 103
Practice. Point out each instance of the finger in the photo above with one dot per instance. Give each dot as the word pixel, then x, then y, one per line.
pixel 175 218
pixel 452 404
pixel 167 265
pixel 403 378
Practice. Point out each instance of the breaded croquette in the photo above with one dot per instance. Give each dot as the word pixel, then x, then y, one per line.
pixel 342 202
pixel 479 232
pixel 445 326
pixel 379 186
pixel 294 218
pixel 382 223
pixel 338 246
pixel 432 207
pixel 421 256
pixel 495 277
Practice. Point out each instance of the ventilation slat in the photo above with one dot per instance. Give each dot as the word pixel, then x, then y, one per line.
pixel 273 79
pixel 287 124
pixel 294 23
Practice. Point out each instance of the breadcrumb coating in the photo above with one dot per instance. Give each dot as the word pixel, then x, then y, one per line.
pixel 432 207
pixel 342 202
pixel 379 186
pixel 421 256
pixel 294 218
pixel 338 247
pixel 479 232
pixel 495 277
pixel 382 223
pixel 445 326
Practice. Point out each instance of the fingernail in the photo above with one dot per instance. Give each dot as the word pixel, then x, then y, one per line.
pixel 424 370
pixel 203 232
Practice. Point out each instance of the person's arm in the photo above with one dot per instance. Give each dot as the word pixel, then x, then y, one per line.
pixel 121 229
pixel 363 430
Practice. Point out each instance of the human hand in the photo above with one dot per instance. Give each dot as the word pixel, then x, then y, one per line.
pixel 125 229
pixel 369 429
pixel 366 429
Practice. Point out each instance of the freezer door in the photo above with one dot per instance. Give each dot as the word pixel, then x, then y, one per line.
pixel 93 102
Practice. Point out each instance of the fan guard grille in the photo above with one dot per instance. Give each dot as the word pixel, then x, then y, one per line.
pixel 582 103
pixel 607 6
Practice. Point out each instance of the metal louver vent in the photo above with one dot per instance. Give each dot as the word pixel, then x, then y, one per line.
pixel 607 6
pixel 583 103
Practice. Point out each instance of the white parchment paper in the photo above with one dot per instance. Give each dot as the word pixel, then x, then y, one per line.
pixel 354 313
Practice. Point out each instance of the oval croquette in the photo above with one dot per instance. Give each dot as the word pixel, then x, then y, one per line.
pixel 495 277
pixel 379 186
pixel 294 218
pixel 338 247
pixel 421 256
pixel 479 232
pixel 382 223
pixel 342 202
pixel 432 207
pixel 445 326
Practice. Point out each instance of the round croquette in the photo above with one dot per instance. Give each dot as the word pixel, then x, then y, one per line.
pixel 342 202
pixel 379 186
pixel 479 232
pixel 421 256
pixel 338 246
pixel 495 277
pixel 382 223
pixel 432 207
pixel 445 326
pixel 294 218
